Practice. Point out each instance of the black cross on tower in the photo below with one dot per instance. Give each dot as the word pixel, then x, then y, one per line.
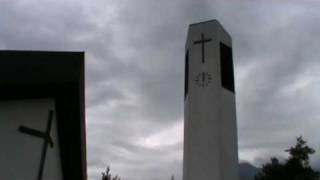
pixel 47 141
pixel 202 41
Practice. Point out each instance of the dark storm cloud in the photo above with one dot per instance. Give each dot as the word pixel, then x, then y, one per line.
pixel 134 73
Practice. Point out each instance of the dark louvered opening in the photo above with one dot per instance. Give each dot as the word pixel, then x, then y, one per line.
pixel 226 66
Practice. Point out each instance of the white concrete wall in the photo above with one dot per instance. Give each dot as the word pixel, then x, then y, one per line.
pixel 210 136
pixel 20 153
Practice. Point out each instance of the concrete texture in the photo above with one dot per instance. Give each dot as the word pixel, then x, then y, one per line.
pixel 210 135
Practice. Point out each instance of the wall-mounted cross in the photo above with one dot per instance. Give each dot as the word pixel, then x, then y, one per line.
pixel 202 41
pixel 47 140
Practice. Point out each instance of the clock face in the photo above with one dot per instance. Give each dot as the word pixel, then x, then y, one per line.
pixel 203 79
pixel 29 140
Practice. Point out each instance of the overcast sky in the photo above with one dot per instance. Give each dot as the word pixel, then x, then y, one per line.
pixel 135 73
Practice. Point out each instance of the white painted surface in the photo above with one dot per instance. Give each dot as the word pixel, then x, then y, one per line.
pixel 20 153
pixel 210 136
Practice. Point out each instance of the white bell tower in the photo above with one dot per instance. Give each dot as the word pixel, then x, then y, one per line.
pixel 210 134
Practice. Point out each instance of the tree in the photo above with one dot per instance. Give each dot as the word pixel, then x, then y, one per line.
pixel 296 167
pixel 273 170
pixel 107 175
pixel 300 152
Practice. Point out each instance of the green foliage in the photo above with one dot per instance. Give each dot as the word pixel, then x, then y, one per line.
pixel 273 170
pixel 296 166
pixel 107 175
pixel 300 152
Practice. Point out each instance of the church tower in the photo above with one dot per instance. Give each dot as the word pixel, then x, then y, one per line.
pixel 210 134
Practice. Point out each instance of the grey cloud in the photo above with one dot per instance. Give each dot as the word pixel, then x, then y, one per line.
pixel 135 63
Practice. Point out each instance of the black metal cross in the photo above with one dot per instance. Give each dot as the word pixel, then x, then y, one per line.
pixel 47 140
pixel 202 41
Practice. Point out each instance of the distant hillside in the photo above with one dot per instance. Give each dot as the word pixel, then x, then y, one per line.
pixel 247 171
